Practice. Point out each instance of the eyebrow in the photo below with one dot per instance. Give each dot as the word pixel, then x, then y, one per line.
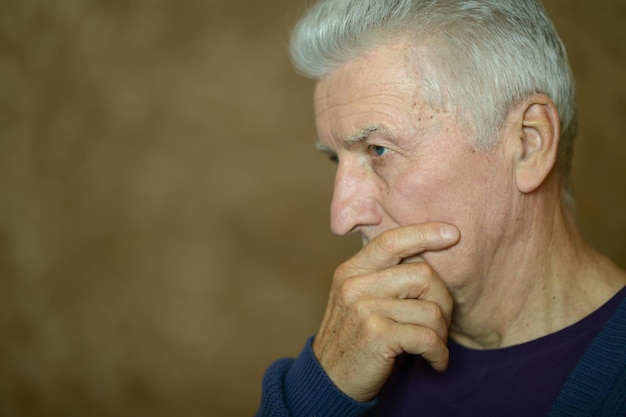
pixel 360 136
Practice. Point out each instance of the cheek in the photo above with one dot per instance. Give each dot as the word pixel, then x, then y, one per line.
pixel 424 196
pixel 447 192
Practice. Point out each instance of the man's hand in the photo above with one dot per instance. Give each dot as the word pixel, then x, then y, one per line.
pixel 380 305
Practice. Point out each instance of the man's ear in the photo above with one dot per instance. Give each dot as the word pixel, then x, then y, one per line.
pixel 536 131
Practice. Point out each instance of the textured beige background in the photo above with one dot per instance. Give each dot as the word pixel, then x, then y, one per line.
pixel 163 213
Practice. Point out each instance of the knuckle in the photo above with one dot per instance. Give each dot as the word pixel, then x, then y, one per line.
pixel 341 272
pixel 433 312
pixel 429 339
pixel 387 241
pixel 373 328
pixel 349 290
pixel 421 269
pixel 347 269
pixel 362 309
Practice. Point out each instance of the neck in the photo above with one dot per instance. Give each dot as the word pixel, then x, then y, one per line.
pixel 534 286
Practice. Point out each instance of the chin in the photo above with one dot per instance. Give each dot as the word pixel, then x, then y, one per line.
pixel 446 264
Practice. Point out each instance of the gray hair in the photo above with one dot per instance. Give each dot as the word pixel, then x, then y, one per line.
pixel 486 55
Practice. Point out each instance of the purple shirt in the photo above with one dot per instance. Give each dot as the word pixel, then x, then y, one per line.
pixel 522 380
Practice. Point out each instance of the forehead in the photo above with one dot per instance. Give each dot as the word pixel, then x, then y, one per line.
pixel 383 72
pixel 381 89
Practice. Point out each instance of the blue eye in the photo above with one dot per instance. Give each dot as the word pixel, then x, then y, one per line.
pixel 379 150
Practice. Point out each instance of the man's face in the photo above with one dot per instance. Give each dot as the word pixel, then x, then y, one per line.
pixel 401 161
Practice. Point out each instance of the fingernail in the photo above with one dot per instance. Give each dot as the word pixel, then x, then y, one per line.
pixel 449 232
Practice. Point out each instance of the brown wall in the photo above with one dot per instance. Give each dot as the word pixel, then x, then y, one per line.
pixel 163 213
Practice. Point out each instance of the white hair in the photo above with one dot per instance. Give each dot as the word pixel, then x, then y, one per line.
pixel 480 57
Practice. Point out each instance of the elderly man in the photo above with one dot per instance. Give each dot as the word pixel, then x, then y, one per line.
pixel 451 123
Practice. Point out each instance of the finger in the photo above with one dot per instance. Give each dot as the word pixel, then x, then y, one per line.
pixel 404 281
pixel 424 342
pixel 391 246
pixel 413 312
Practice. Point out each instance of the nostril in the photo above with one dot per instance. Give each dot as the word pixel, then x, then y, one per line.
pixel 350 214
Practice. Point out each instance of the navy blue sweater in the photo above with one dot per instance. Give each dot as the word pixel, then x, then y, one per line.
pixel 596 386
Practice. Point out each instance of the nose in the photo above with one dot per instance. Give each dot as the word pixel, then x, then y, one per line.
pixel 355 198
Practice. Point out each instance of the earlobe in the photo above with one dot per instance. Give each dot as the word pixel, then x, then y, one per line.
pixel 538 142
